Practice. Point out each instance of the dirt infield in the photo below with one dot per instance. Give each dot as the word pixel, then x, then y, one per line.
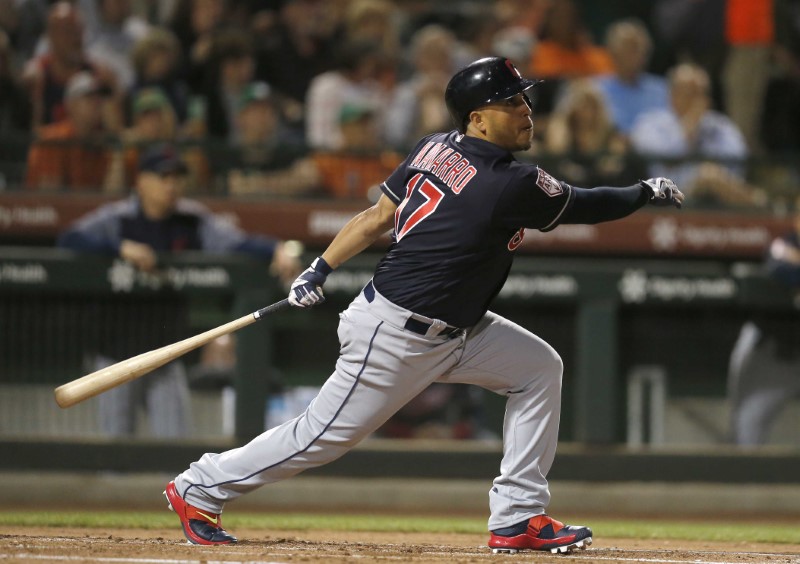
pixel 311 547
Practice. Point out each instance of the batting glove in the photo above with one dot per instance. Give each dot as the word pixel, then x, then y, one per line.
pixel 307 289
pixel 663 192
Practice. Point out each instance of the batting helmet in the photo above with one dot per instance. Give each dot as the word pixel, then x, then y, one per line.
pixel 482 82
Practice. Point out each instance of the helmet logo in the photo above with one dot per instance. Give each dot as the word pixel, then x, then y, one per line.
pixel 513 69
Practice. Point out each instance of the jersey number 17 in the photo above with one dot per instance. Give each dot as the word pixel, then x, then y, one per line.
pixel 422 199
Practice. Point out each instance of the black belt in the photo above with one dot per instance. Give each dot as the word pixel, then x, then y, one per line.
pixel 415 325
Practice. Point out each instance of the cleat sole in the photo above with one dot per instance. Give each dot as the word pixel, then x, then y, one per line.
pixel 504 551
pixel 566 549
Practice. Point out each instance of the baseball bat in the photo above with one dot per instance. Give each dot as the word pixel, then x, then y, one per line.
pixel 124 371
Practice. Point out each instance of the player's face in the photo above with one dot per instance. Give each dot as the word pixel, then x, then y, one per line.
pixel 508 123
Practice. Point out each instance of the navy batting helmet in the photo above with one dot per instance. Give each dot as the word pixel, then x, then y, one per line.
pixel 482 82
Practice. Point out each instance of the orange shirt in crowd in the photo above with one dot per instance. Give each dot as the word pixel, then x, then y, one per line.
pixel 351 176
pixel 551 60
pixel 749 22
pixel 58 161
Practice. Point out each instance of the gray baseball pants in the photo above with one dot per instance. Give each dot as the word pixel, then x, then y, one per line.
pixel 381 367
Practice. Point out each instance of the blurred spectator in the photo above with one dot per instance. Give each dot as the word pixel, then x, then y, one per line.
pixel 750 34
pixel 520 23
pixel 74 153
pixel 111 35
pixel 298 47
pixel 47 74
pixel 694 30
pixel 780 126
pixel 565 48
pixel 156 62
pixel 357 168
pixel 266 157
pixel 153 122
pixel 691 130
pixel 475 35
pixel 374 21
pixel 764 370
pixel 417 108
pixel 591 150
pixel 630 91
pixel 156 219
pixel 231 65
pixel 30 22
pixel 194 23
pixel 356 79
pixel 15 109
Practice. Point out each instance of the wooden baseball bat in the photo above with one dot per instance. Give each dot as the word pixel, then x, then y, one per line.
pixel 124 371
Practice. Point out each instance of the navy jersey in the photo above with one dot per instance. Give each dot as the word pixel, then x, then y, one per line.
pixel 463 205
pixel 191 226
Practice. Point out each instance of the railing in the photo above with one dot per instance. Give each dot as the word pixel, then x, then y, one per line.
pixel 602 316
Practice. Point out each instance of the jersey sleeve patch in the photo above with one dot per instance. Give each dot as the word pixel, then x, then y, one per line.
pixel 548 184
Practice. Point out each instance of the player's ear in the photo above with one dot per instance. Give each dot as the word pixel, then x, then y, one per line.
pixel 476 120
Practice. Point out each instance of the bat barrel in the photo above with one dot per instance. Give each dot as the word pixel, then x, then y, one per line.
pixel 112 376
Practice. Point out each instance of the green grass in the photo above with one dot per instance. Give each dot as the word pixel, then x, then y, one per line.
pixel 756 531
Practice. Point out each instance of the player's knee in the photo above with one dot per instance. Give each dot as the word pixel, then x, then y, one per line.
pixel 554 366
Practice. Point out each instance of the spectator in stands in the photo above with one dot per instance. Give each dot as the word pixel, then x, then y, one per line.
pixel 416 108
pixel 750 35
pixel 780 126
pixel 156 219
pixel 694 30
pixel 46 75
pixel 356 79
pixel 111 38
pixel 29 19
pixel 355 170
pixel 74 154
pixel 630 91
pixel 691 130
pixel 153 122
pixel 764 370
pixel 156 62
pixel 231 66
pixel 297 48
pixel 566 48
pixel 195 23
pixel 591 151
pixel 373 21
pixel 15 110
pixel 267 158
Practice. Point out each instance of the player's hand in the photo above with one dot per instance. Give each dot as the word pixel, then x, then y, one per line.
pixel 663 192
pixel 307 289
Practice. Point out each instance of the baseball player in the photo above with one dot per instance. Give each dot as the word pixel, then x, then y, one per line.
pixel 764 368
pixel 458 206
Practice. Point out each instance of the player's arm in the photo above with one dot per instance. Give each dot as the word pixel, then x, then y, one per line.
pixel 595 205
pixel 358 234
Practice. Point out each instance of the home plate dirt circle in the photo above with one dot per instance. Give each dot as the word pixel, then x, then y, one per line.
pixel 19 544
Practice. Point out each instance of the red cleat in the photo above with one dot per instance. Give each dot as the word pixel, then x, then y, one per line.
pixel 199 527
pixel 544 533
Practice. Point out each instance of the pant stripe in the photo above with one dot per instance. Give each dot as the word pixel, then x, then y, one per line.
pixel 314 440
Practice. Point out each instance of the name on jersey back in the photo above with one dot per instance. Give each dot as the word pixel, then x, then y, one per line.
pixel 445 163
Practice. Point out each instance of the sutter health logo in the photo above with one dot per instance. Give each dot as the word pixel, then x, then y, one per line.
pixel 636 286
pixel 667 234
